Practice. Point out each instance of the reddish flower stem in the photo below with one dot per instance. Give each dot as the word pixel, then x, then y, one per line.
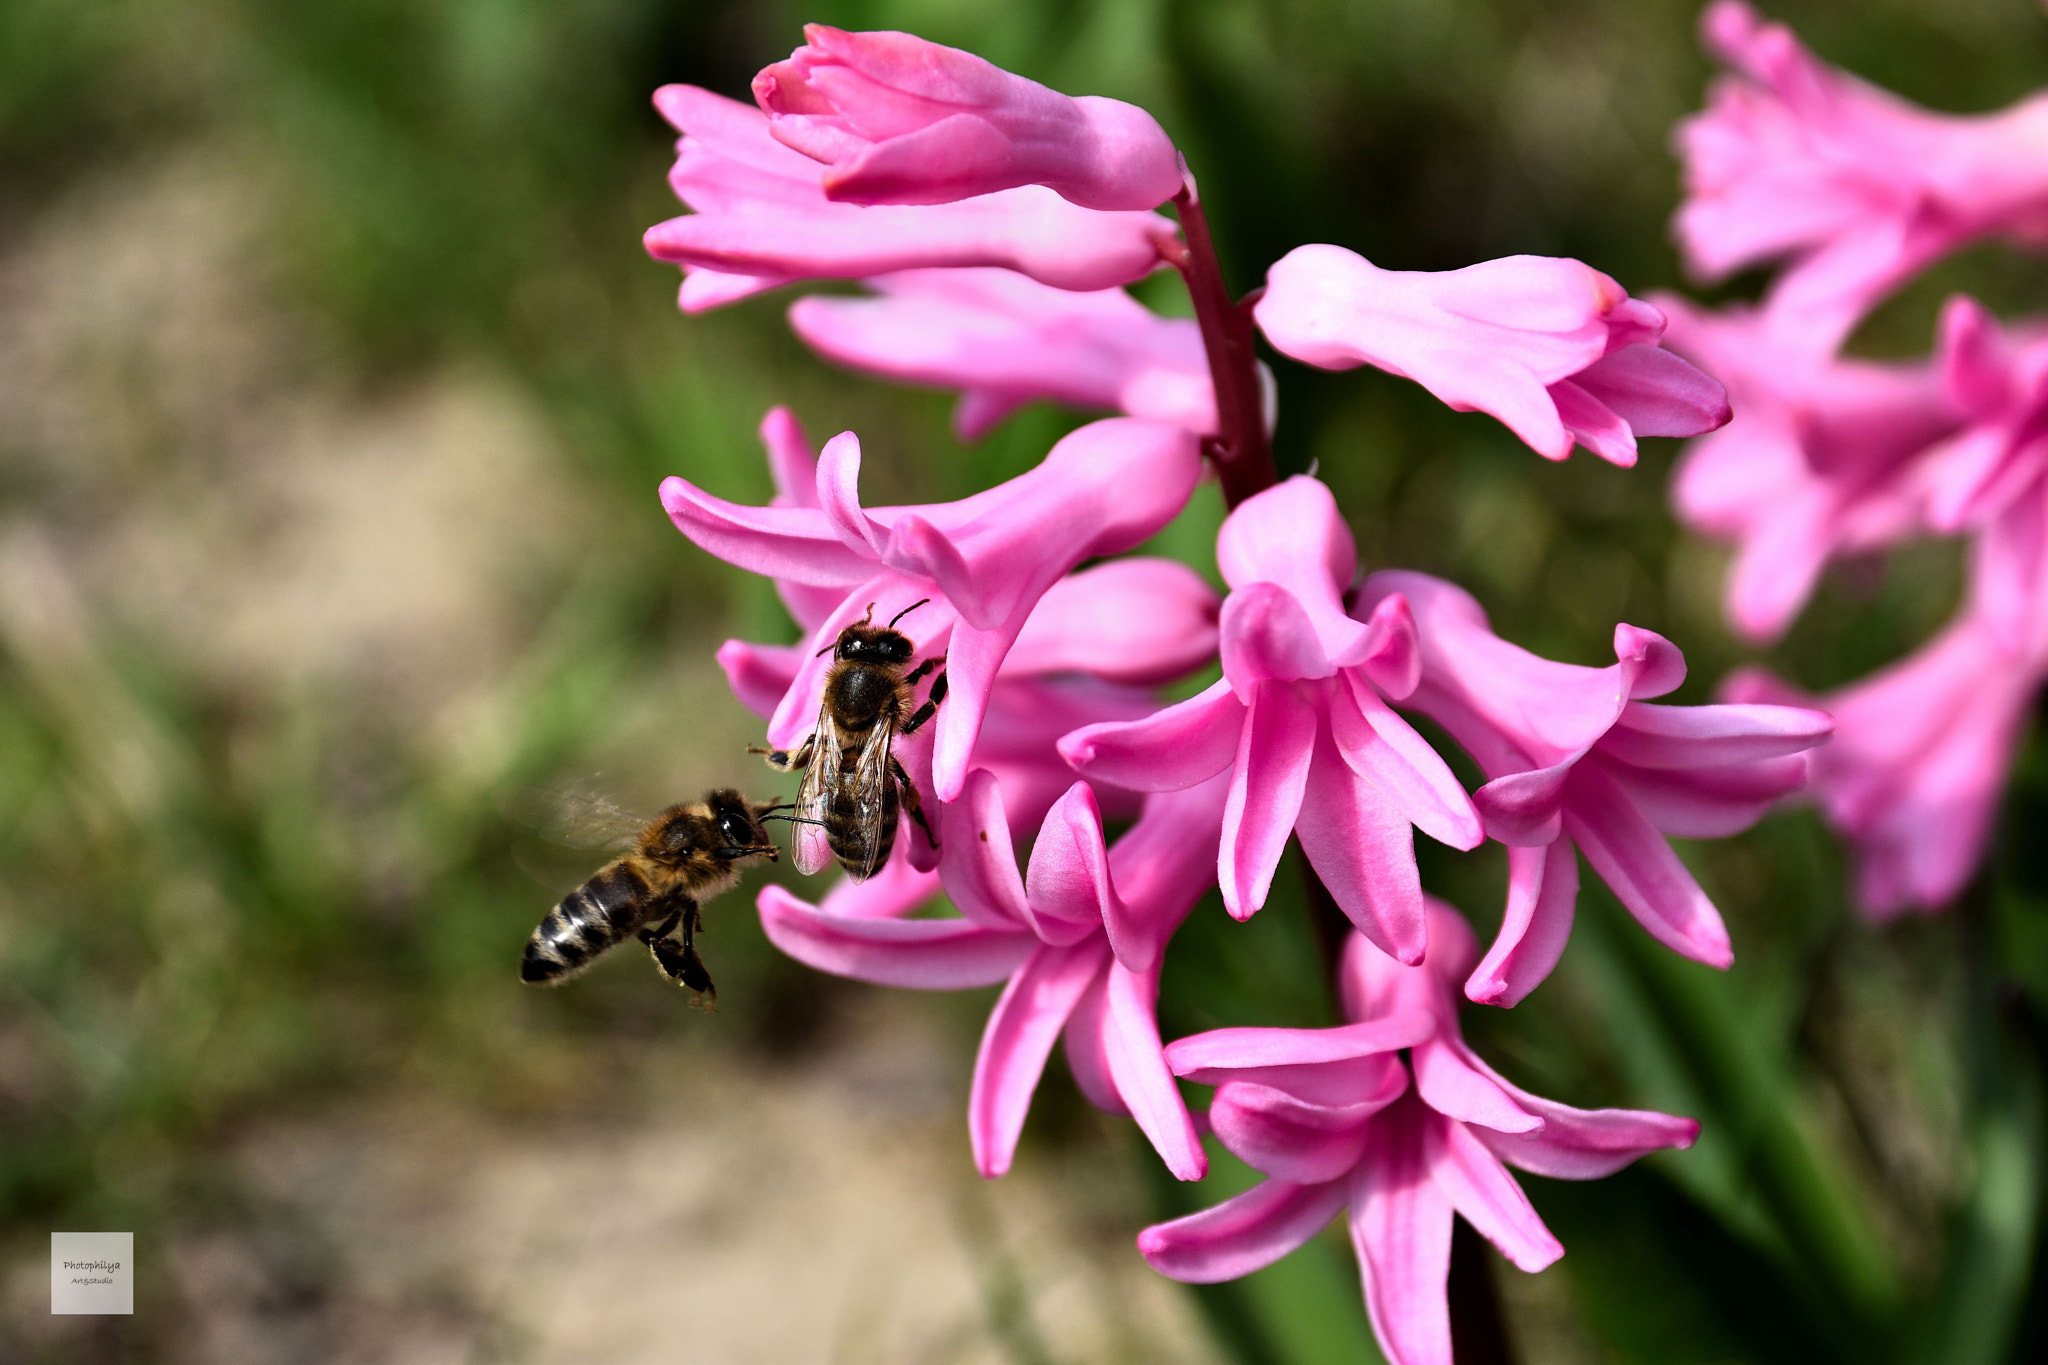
pixel 1240 450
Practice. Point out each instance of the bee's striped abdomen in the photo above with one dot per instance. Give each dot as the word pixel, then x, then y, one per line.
pixel 842 830
pixel 602 912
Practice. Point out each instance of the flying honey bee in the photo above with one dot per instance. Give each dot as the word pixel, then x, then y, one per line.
pixel 853 786
pixel 680 859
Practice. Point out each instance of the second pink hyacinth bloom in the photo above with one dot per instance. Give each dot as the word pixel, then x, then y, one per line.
pixel 1556 350
pixel 1334 1118
pixel 1301 722
pixel 1577 760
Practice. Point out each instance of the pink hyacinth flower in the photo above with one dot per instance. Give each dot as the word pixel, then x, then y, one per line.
pixel 1553 348
pixel 762 219
pixel 898 119
pixel 983 563
pixel 1922 749
pixel 1330 1117
pixel 1301 723
pixel 1795 157
pixel 1819 461
pixel 2000 380
pixel 1004 340
pixel 1079 939
pixel 1576 759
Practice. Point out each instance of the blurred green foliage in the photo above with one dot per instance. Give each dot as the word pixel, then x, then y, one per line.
pixel 216 903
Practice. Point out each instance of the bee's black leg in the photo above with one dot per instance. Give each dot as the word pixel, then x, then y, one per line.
pixel 784 760
pixel 679 962
pixel 930 707
pixel 917 675
pixel 651 932
pixel 907 793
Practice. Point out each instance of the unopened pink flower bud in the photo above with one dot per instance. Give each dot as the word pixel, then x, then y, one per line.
pixel 901 120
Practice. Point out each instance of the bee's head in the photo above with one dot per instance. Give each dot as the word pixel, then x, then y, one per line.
pixel 737 822
pixel 867 644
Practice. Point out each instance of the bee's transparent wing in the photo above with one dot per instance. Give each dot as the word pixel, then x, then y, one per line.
pixel 870 796
pixel 808 842
pixel 574 817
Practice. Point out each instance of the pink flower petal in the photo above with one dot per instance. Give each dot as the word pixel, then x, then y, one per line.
pixel 1543 890
pixel 795 543
pixel 1243 1234
pixel 759 675
pixel 1401 1229
pixel 1274 1132
pixel 1022 1029
pixel 1067 888
pixel 1449 1084
pixel 1220 1054
pixel 1633 859
pixel 1652 736
pixel 1174 748
pixel 1266 790
pixel 1161 866
pixel 1131 1047
pixel 924 954
pixel 980 865
pixel 1361 846
pixel 1480 1189
pixel 1135 620
pixel 1384 749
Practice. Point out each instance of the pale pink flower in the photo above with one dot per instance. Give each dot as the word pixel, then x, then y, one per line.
pixel 1818 462
pixel 1004 340
pixel 1330 1117
pixel 1301 722
pixel 1923 748
pixel 1577 760
pixel 2000 380
pixel 1079 939
pixel 762 219
pixel 1794 157
pixel 983 562
pixel 902 120
pixel 1553 348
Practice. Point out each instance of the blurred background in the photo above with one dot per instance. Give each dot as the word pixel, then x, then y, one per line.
pixel 334 389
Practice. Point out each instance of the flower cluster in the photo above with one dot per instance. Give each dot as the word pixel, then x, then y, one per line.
pixel 1828 456
pixel 994 223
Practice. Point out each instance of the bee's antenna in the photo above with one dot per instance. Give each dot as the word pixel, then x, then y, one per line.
pixel 826 650
pixel 906 611
pixel 868 616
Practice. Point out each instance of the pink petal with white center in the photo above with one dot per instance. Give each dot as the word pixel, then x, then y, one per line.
pixel 1267 783
pixel 980 866
pixel 1363 849
pixel 1241 1235
pixel 1130 1034
pixel 1133 620
pixel 924 954
pixel 1401 1229
pixel 1176 747
pixel 1543 891
pixel 1633 859
pixel 1488 1197
pixel 1385 750
pixel 1273 1132
pixel 1021 1031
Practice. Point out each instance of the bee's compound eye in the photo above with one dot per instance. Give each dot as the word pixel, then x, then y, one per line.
pixel 734 828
